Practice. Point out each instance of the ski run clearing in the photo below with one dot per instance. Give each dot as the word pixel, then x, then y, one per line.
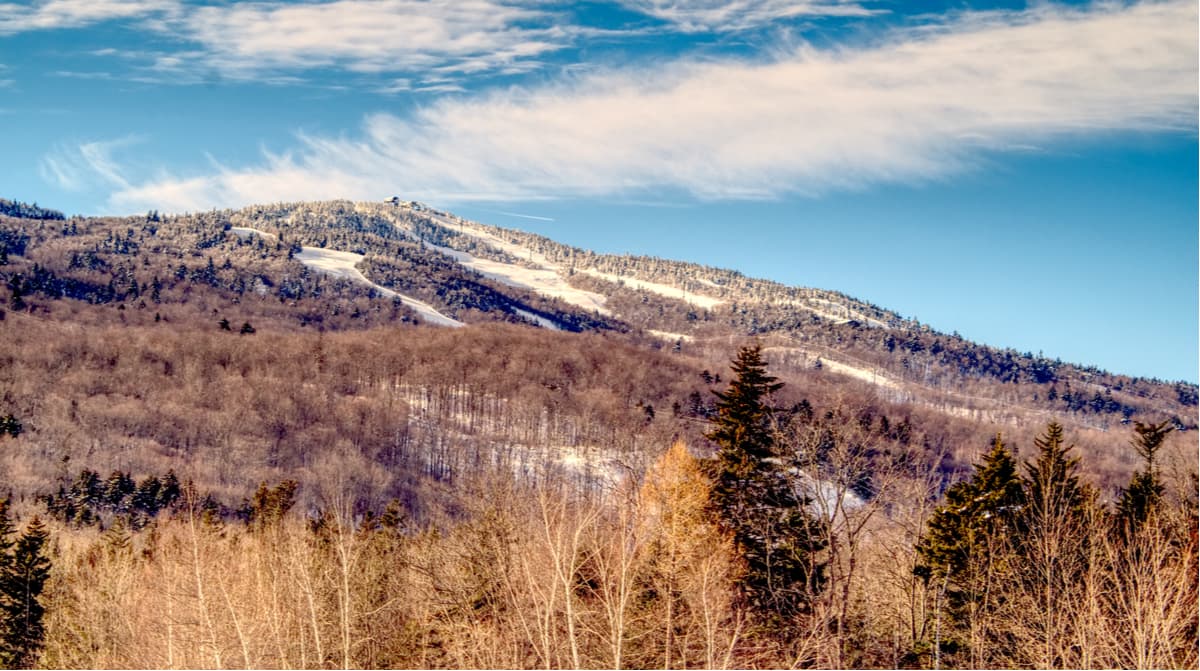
pixel 860 373
pixel 342 266
pixel 541 276
pixel 669 336
pixel 546 282
pixel 546 277
pixel 699 300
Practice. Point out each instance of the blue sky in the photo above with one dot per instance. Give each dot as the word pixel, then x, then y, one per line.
pixel 1022 173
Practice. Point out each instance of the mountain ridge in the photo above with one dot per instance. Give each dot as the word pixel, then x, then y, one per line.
pixel 551 333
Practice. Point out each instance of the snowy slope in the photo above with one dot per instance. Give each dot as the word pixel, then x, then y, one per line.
pixel 545 281
pixel 541 262
pixel 544 276
pixel 861 373
pixel 342 265
pixel 699 300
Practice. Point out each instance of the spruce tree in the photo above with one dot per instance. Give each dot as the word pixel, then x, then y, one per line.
pixel 966 535
pixel 1051 482
pixel 1054 540
pixel 986 503
pixel 25 574
pixel 1145 490
pixel 754 497
pixel 6 543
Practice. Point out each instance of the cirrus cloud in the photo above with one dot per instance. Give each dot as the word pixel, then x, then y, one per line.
pixel 734 15
pixel 243 40
pixel 55 14
pixel 921 104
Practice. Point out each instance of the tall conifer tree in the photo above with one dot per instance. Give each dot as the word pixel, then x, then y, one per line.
pixel 964 538
pixel 1051 480
pixel 755 499
pixel 1145 491
pixel 24 575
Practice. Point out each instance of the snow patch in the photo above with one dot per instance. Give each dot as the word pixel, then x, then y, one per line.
pixel 244 233
pixel 699 300
pixel 342 266
pixel 824 496
pixel 861 373
pixel 538 319
pixel 670 337
pixel 545 281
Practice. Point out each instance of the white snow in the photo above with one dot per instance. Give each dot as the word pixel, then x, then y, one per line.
pixel 699 300
pixel 671 337
pixel 543 280
pixel 539 320
pixel 824 496
pixel 860 373
pixel 243 232
pixel 543 275
pixel 342 265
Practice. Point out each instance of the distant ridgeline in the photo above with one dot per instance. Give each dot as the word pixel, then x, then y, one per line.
pixel 13 208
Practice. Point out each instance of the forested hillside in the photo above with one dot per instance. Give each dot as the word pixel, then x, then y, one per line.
pixel 373 434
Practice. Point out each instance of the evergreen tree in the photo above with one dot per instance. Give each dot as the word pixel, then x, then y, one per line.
pixel 754 497
pixel 17 300
pixel 1051 482
pixel 21 583
pixel 1145 490
pixel 170 491
pixel 966 536
pixel 6 543
pixel 986 503
pixel 10 425
pixel 1053 544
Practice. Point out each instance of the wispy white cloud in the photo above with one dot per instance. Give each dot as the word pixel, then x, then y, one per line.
pixel 921 104
pixel 267 40
pixel 735 15
pixel 523 216
pixel 87 165
pixel 54 14
pixel 245 40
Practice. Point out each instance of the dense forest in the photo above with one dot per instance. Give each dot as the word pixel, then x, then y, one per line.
pixel 216 454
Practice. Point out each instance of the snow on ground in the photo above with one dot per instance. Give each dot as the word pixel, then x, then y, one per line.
pixel 836 312
pixel 544 263
pixel 860 373
pixel 823 496
pixel 342 266
pixel 546 276
pixel 699 300
pixel 668 336
pixel 539 320
pixel 545 281
pixel 243 233
pixel 846 314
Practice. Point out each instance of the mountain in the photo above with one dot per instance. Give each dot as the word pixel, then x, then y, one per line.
pixel 266 342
